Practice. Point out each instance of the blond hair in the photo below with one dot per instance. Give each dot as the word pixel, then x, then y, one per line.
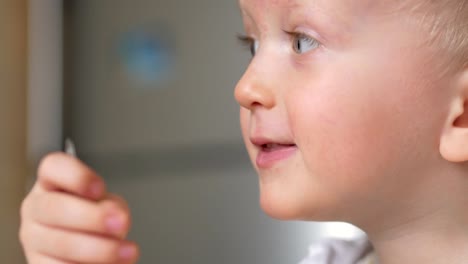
pixel 447 24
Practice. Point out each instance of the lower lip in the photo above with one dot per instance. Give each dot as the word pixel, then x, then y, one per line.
pixel 266 159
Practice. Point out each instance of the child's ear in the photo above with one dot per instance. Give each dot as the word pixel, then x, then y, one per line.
pixel 454 139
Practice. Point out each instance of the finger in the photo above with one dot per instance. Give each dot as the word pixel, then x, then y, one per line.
pixel 119 200
pixel 74 213
pixel 44 259
pixel 81 247
pixel 59 171
pixel 111 202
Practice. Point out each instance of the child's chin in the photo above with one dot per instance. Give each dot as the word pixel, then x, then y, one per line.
pixel 279 208
pixel 293 208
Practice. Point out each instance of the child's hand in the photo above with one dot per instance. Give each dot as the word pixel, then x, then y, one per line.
pixel 69 218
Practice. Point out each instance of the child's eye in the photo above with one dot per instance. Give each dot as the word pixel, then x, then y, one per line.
pixel 302 43
pixel 250 43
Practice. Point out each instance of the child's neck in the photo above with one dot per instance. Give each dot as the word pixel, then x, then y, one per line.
pixel 438 238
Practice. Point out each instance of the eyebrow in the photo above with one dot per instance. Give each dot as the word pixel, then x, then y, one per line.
pixel 244 12
pixel 328 23
pixel 297 3
pixel 242 8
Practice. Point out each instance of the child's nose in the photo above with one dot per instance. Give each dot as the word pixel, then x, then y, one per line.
pixel 254 89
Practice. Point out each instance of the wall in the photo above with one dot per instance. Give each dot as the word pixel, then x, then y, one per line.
pixel 12 125
pixel 208 62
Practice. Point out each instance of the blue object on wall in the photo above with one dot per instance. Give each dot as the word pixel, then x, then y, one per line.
pixel 147 56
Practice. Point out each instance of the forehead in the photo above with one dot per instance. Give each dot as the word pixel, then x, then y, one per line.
pixel 254 5
pixel 357 7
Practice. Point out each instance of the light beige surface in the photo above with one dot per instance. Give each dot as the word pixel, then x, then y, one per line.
pixel 12 125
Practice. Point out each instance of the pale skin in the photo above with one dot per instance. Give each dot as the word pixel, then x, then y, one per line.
pixel 379 136
pixel 367 129
pixel 68 217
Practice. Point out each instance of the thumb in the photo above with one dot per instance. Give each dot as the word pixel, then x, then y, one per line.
pixel 61 172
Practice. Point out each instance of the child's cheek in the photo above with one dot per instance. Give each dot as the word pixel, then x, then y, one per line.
pixel 348 127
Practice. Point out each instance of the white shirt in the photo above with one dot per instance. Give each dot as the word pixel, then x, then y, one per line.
pixel 335 251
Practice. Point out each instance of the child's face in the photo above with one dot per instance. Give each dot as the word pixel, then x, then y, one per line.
pixel 348 90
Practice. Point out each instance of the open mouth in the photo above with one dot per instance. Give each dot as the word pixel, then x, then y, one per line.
pixel 271 154
pixel 270 147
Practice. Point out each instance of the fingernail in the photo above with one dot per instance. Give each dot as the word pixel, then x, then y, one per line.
pixel 115 222
pixel 127 252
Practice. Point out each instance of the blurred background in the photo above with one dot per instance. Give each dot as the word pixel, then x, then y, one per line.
pixel 145 90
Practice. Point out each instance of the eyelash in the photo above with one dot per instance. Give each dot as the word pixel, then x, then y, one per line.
pixel 249 42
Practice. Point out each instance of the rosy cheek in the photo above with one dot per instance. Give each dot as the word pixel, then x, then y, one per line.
pixel 345 127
